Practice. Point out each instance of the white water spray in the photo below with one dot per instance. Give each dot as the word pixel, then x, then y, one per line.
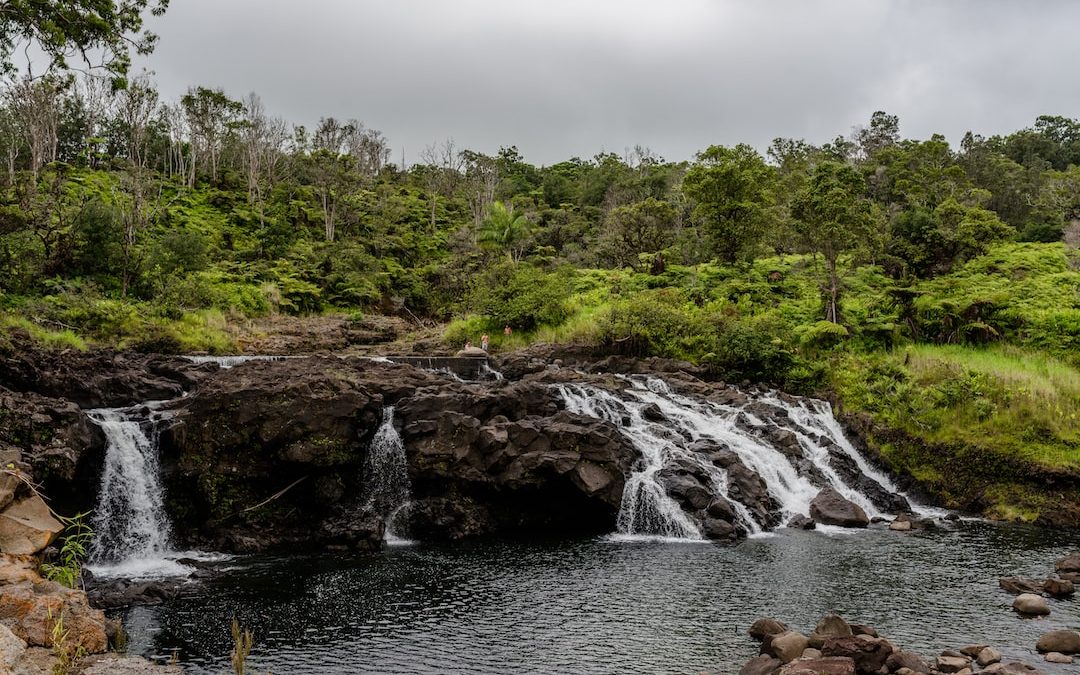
pixel 386 483
pixel 647 509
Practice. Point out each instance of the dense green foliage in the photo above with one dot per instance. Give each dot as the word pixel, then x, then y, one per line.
pixel 874 267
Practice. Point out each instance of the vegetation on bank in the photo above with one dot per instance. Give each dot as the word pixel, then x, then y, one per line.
pixel 884 271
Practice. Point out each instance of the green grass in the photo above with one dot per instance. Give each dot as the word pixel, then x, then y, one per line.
pixel 51 339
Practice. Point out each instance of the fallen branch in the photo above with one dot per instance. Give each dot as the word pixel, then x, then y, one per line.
pixel 275 495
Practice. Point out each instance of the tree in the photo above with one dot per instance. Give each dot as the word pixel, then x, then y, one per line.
pixel 63 29
pixel 647 226
pixel 833 217
pixel 733 189
pixel 210 115
pixel 883 132
pixel 505 230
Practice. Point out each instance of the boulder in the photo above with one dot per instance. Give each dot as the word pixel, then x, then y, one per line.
pixel 765 626
pixel 11 649
pixel 952 664
pixel 27 526
pixel 786 646
pixel 830 626
pixel 31 609
pixel 1063 641
pixel 1058 657
pixel 988 656
pixel 868 653
pixel 1031 605
pixel 900 659
pixel 1069 564
pixel 863 629
pixel 811 653
pixel 761 665
pixel 1018 585
pixel 834 665
pixel 972 650
pixel 900 526
pixel 1058 587
pixel 830 508
pixel 801 522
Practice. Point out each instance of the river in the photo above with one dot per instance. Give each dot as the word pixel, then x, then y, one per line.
pixel 604 605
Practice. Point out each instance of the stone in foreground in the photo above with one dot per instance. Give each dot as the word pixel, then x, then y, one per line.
pixel 1063 641
pixel 27 526
pixel 1030 604
pixel 830 508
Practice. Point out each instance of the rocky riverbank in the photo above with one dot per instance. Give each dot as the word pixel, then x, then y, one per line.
pixel 835 647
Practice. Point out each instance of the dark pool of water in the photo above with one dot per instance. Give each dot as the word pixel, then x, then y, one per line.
pixel 598 606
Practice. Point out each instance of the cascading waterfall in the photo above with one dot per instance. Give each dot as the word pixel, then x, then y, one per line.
pixel 647 509
pixel 131 528
pixel 386 483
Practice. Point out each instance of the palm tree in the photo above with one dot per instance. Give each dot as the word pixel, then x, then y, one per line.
pixel 503 229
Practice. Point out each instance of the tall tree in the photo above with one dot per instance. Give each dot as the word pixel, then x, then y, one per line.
pixel 99 32
pixel 834 217
pixel 732 188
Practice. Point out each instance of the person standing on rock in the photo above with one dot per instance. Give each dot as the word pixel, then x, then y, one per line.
pixel 468 344
pixel 508 331
pixel 484 341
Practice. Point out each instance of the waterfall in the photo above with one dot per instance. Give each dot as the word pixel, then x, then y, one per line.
pixel 386 484
pixel 230 361
pixel 647 509
pixel 131 528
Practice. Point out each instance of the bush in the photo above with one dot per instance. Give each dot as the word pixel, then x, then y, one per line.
pixel 523 296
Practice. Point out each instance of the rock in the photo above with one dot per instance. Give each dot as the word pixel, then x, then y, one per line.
pixel 869 653
pixel 30 609
pixel 786 646
pixel 763 627
pixel 27 526
pixel 16 568
pixel 831 625
pixel 1070 564
pixel 1057 657
pixel 863 629
pixel 98 378
pixel 801 522
pixel 761 665
pixel 11 649
pixel 118 593
pixel 1064 641
pixel 972 650
pixel 1031 604
pixel 913 662
pixel 900 526
pixel 823 666
pixel 811 653
pixel 952 664
pixel 830 508
pixel 1018 585
pixel 472 352
pixel 988 656
pixel 1058 588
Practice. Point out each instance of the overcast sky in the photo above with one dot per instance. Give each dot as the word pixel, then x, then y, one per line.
pixel 560 78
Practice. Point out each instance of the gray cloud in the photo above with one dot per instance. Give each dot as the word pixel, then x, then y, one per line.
pixel 560 78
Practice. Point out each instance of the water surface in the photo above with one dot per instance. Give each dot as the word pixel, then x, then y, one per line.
pixel 604 606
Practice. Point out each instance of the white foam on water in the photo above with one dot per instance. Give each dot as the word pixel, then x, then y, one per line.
pixel 648 511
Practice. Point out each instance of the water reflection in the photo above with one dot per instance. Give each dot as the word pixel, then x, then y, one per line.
pixel 597 606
